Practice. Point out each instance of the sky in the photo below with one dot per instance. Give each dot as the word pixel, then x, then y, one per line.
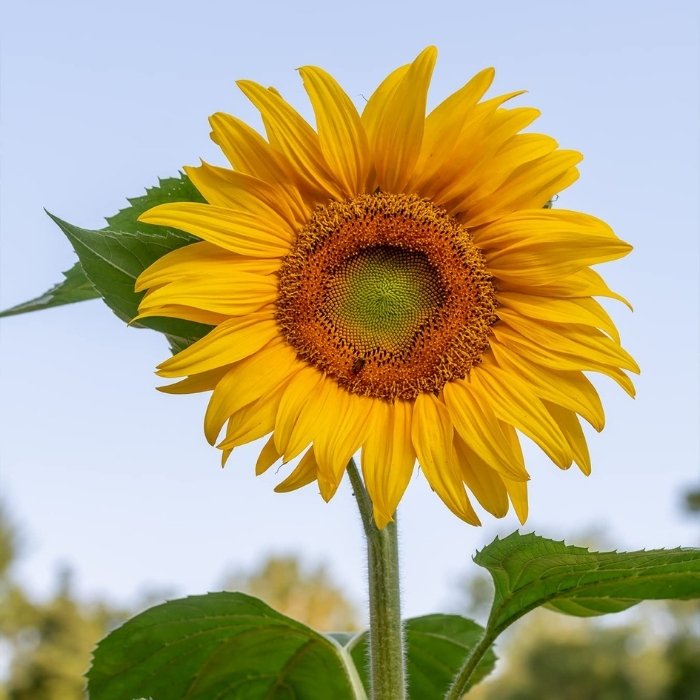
pixel 115 479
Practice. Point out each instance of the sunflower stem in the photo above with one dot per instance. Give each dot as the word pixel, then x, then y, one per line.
pixel 386 648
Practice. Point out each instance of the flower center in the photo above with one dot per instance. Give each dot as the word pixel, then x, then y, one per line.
pixel 382 297
pixel 388 295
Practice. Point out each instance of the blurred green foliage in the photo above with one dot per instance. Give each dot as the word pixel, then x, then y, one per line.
pixel 304 594
pixel 45 645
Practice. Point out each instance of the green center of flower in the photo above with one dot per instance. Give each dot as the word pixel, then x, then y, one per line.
pixel 382 297
pixel 387 294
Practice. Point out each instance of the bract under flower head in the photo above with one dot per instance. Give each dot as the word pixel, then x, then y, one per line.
pixel 391 283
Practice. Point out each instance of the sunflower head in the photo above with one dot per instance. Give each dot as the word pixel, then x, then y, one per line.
pixel 386 294
pixel 392 283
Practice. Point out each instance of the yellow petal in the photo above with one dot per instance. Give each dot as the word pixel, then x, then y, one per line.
pixel 532 226
pixel 506 123
pixel 513 402
pixel 490 156
pixel 186 313
pixel 396 139
pixel 570 426
pixel 569 389
pixel 247 381
pixel 580 341
pixel 312 418
pixel 292 136
pixel 535 352
pixel 523 148
pixel 206 381
pixel 245 233
pixel 530 186
pixel 304 473
pixel 495 167
pixel 267 457
pixel 587 312
pixel 227 188
pixel 299 390
pixel 201 260
pixel 485 483
pixel 252 421
pixel 340 132
pixel 388 458
pixel 229 342
pixel 584 283
pixel 445 123
pixel 338 439
pixel 477 425
pixel 378 101
pixel 235 295
pixel 247 151
pixel 459 162
pixel 432 435
pixel 517 490
pixel 541 246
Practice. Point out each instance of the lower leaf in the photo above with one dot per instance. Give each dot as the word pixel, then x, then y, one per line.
pixel 220 645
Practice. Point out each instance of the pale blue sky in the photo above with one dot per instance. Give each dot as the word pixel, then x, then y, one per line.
pixel 99 99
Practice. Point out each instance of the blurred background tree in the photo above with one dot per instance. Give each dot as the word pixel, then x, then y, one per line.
pixel 45 646
pixel 307 595
pixel 692 501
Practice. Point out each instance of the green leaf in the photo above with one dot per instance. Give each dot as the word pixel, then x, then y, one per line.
pixel 169 189
pixel 178 344
pixel 221 645
pixel 75 287
pixel 78 286
pixel 529 571
pixel 436 646
pixel 112 260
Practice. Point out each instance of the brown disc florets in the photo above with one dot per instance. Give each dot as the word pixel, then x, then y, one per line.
pixel 387 294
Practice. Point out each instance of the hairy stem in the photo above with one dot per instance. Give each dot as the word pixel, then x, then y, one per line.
pixel 386 650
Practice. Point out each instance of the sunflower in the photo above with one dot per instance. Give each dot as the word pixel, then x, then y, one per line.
pixel 392 283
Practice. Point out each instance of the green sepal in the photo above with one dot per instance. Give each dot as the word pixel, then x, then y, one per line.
pixel 220 645
pixel 436 646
